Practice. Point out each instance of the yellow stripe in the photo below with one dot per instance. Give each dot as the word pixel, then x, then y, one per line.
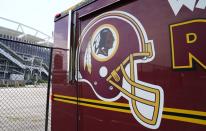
pixel 94 106
pixel 170 117
pixel 185 119
pixel 94 101
pixel 191 112
pixel 69 97
pixel 201 113
pixel 65 101
pixel 188 22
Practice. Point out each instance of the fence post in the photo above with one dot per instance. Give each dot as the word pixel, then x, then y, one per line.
pixel 48 91
pixel 7 84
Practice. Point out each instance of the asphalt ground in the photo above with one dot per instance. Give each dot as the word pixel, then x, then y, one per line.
pixel 23 108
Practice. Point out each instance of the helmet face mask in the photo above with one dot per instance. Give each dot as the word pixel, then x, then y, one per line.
pixel 108 63
pixel 137 92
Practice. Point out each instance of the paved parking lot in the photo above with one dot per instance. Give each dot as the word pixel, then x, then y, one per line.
pixel 23 109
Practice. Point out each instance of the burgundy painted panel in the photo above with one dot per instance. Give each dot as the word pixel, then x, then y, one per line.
pixel 61 33
pixel 183 88
pixel 63 116
pixel 95 6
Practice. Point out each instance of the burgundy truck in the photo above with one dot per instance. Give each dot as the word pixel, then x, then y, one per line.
pixel 130 65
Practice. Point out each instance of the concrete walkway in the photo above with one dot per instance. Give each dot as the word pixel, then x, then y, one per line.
pixel 23 109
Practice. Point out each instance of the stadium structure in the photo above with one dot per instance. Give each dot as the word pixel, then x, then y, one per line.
pixel 24 54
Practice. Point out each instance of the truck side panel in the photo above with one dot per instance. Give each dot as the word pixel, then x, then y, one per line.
pixel 183 88
pixel 141 66
pixel 64 116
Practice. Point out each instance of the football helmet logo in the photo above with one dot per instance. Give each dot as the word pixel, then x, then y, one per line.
pixel 111 47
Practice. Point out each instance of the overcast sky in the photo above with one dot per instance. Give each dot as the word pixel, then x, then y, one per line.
pixel 38 14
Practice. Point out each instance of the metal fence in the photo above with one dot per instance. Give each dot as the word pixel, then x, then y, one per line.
pixel 24 85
